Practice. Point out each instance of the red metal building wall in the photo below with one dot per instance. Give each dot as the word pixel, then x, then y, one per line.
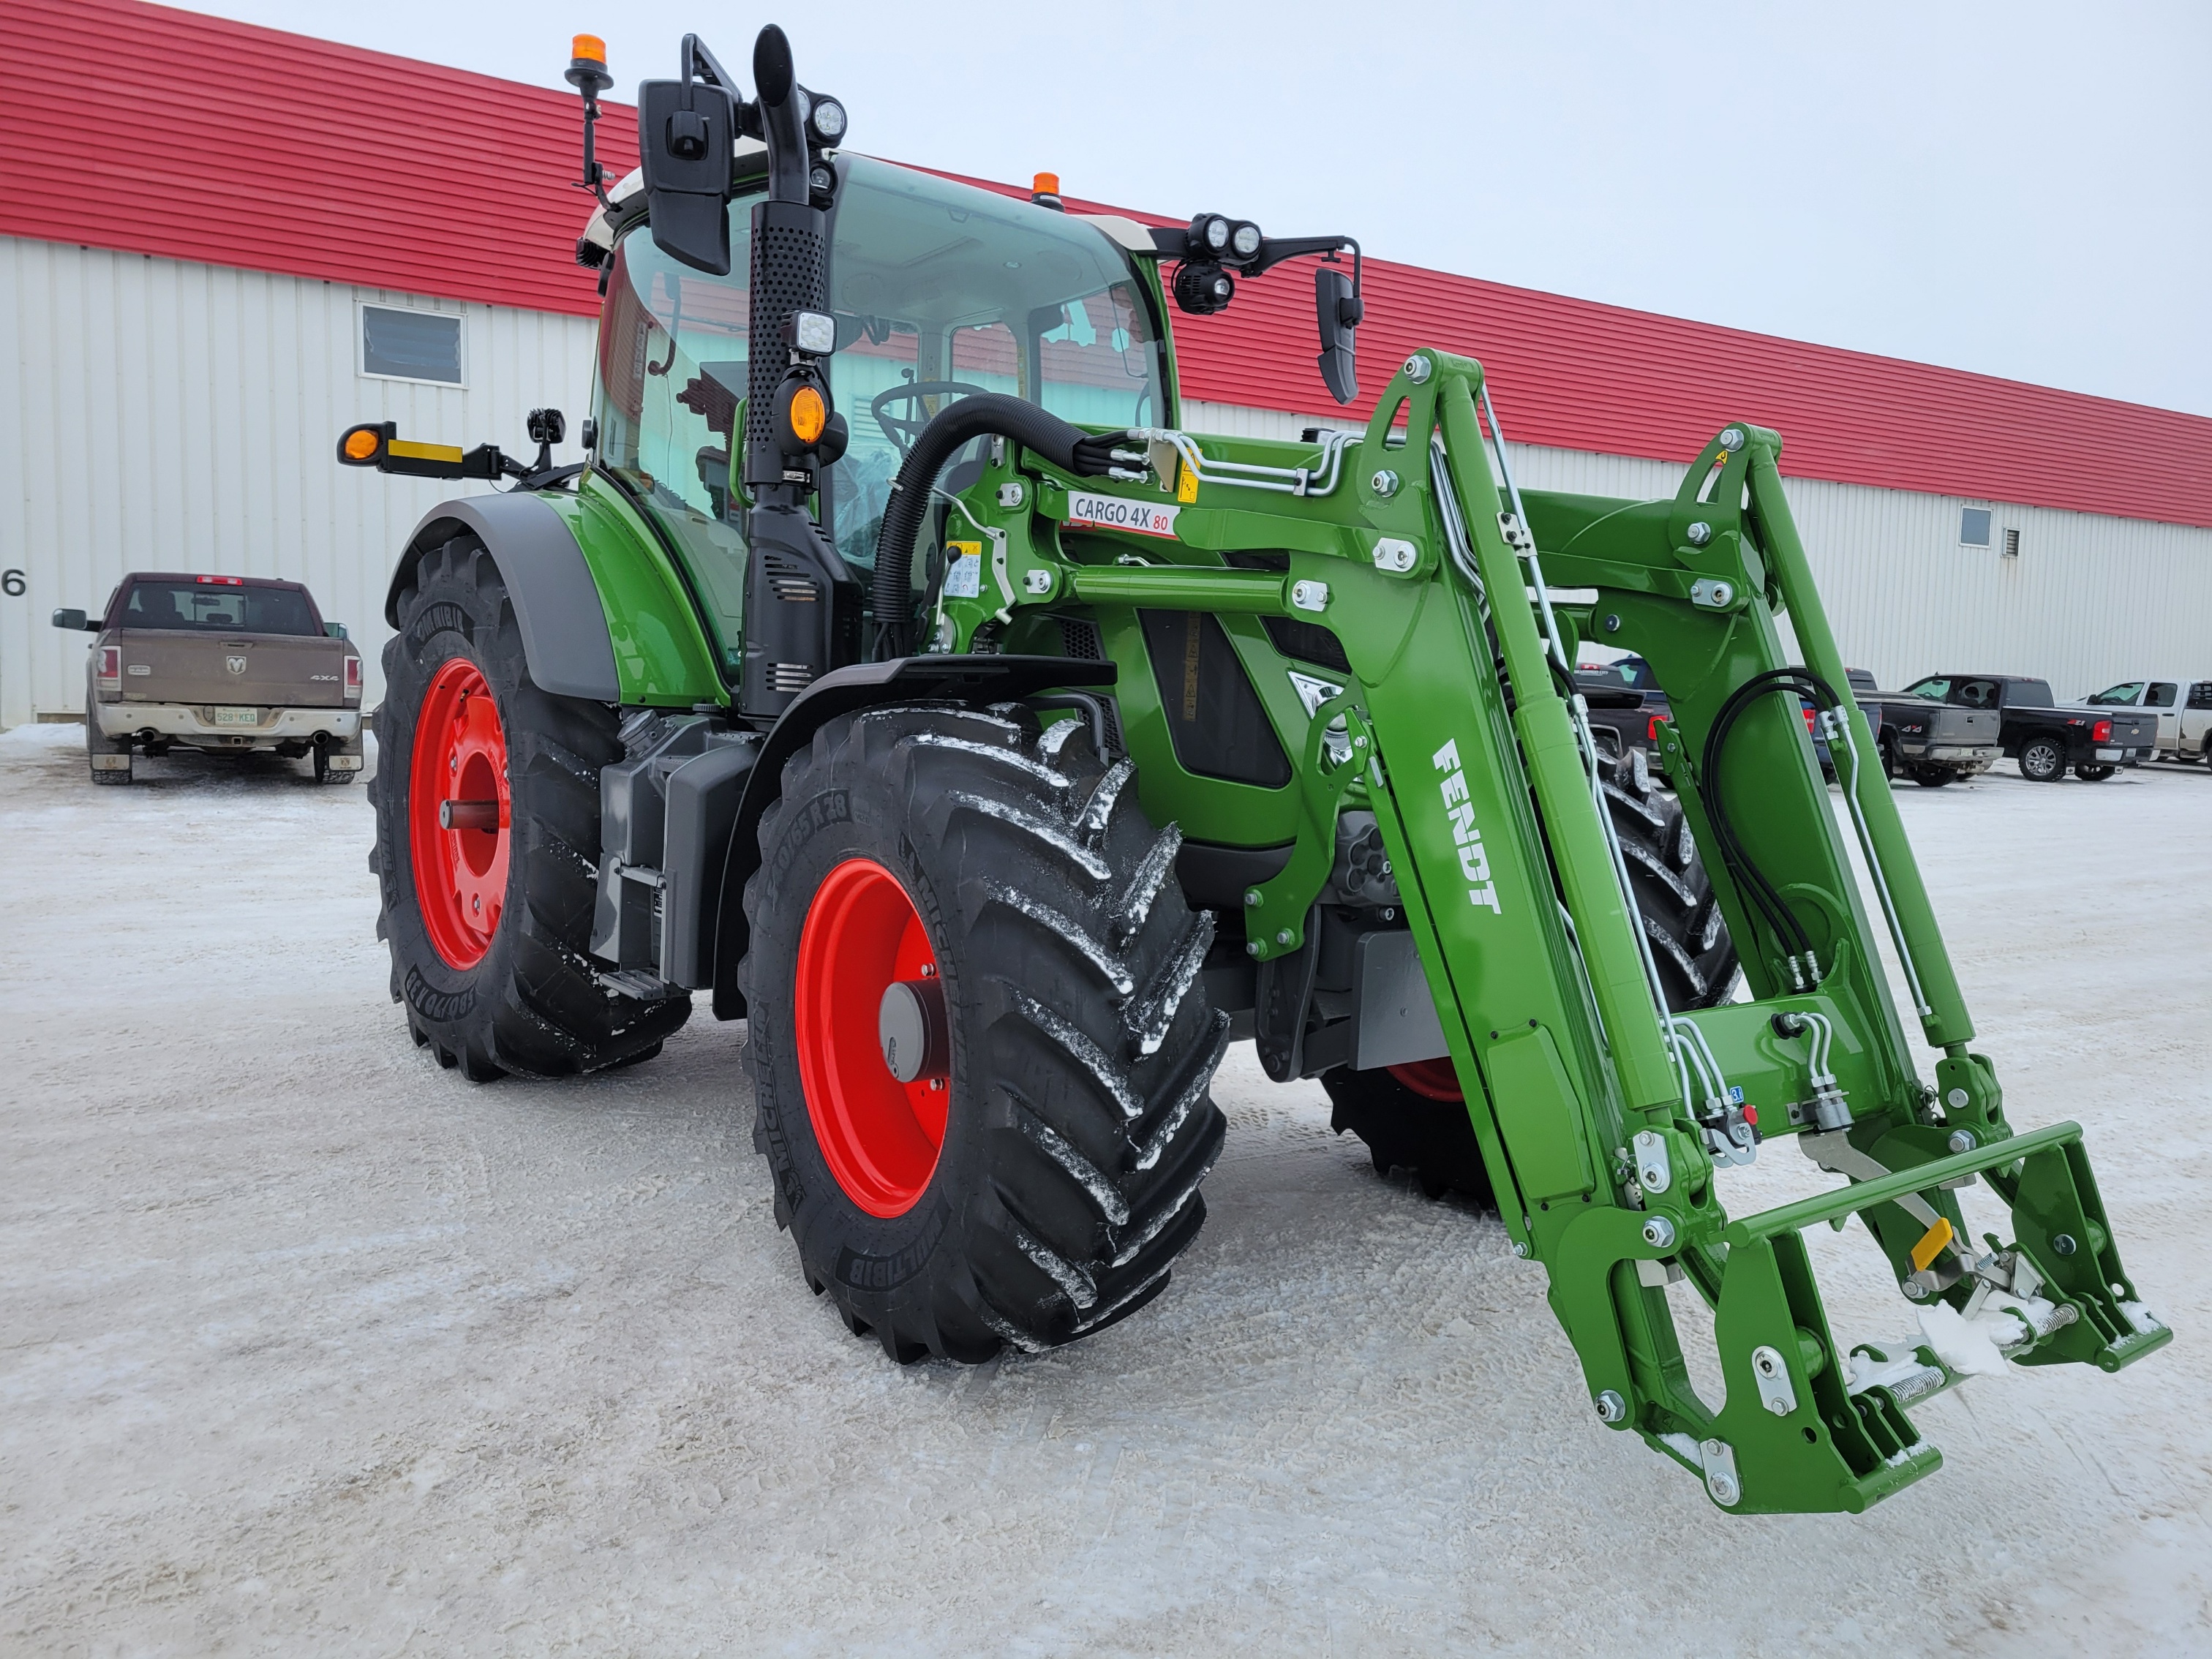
pixel 155 130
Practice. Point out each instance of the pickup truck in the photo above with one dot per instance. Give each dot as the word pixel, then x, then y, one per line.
pixel 1931 743
pixel 2184 707
pixel 1625 705
pixel 221 664
pixel 2042 735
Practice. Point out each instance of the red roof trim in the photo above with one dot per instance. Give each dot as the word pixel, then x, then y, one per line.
pixel 167 132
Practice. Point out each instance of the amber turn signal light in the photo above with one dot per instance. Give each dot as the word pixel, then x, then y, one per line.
pixel 360 444
pixel 809 414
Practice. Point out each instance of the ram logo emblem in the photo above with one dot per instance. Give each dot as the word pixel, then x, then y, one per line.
pixel 236 665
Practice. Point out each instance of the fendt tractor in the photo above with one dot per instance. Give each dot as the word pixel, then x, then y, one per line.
pixel 898 672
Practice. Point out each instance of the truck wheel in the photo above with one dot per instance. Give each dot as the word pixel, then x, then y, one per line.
pixel 100 751
pixel 1933 777
pixel 1682 919
pixel 2042 761
pixel 1891 771
pixel 2094 774
pixel 1414 1118
pixel 979 1042
pixel 488 921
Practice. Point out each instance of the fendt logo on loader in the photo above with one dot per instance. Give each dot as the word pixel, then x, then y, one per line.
pixel 1473 862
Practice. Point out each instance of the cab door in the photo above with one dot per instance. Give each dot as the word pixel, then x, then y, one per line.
pixel 2163 698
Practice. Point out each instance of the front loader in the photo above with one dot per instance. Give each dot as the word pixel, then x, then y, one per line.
pixel 900 672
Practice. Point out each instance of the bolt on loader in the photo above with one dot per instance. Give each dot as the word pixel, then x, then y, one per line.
pixel 900 674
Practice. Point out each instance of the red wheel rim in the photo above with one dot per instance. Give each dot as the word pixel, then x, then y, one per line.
pixel 880 1136
pixel 1432 1080
pixel 460 756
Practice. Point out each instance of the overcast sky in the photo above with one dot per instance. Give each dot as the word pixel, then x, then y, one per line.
pixel 2020 189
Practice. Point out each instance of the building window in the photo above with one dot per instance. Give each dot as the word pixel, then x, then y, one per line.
pixel 1974 526
pixel 410 345
pixel 2012 544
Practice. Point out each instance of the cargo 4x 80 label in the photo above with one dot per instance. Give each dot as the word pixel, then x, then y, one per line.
pixel 1473 859
pixel 1088 510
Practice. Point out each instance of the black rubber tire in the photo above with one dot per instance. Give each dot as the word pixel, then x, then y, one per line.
pixel 1431 1140
pixel 2094 774
pixel 1934 777
pixel 531 1006
pixel 97 743
pixel 1068 1180
pixel 1892 768
pixel 1689 937
pixel 2043 760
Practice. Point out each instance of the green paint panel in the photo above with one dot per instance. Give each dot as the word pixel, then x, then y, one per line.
pixel 1540 1115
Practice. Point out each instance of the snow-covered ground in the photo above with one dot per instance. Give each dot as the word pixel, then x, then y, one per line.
pixel 307 1345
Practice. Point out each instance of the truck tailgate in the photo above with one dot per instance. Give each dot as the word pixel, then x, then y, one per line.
pixel 1959 727
pixel 2131 730
pixel 280 670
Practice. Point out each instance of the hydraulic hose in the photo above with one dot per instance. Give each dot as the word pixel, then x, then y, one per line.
pixel 1068 448
pixel 1796 943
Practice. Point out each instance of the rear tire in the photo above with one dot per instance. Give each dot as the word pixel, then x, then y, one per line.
pixel 1042 1194
pixel 520 997
pixel 2094 774
pixel 1933 777
pixel 2042 761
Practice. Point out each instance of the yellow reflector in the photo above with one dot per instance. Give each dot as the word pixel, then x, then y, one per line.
pixel 590 48
pixel 808 416
pixel 1931 1244
pixel 401 449
pixel 360 445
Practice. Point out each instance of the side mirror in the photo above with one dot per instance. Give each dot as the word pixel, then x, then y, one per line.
pixel 686 135
pixel 75 622
pixel 336 631
pixel 1339 315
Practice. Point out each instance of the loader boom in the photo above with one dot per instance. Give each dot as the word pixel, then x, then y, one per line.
pixel 1608 1123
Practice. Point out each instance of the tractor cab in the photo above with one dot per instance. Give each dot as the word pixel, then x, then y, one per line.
pixel 939 290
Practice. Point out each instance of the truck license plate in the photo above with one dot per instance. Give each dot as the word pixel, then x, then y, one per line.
pixel 238 717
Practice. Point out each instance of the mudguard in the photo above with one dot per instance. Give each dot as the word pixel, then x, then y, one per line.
pixel 556 603
pixel 974 680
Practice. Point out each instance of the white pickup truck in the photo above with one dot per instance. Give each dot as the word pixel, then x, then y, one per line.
pixel 2184 707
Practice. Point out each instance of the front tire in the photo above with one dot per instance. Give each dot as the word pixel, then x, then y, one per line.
pixel 490 925
pixel 1413 1118
pixel 1005 885
pixel 2094 774
pixel 1682 919
pixel 1933 777
pixel 2042 761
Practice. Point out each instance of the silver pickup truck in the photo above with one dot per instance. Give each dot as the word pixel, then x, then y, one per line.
pixel 221 664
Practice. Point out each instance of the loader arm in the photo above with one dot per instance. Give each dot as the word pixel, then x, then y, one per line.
pixel 1608 1123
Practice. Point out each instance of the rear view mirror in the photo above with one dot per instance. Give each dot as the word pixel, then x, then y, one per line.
pixel 75 622
pixel 1339 315
pixel 686 134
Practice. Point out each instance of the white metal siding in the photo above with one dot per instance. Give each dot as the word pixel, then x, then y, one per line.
pixel 171 416
pixel 2089 601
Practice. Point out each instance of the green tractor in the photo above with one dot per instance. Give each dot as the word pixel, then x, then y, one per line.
pixel 899 673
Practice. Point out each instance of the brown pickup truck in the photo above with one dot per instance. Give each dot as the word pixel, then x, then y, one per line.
pixel 219 664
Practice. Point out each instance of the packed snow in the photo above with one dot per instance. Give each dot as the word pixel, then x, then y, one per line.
pixel 308 1346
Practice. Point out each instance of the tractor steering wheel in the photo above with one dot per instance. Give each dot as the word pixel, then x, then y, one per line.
pixel 903 429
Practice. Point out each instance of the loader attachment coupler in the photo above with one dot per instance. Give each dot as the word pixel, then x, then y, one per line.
pixel 1609 1104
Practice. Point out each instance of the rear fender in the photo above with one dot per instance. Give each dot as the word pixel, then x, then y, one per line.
pixel 976 681
pixel 556 603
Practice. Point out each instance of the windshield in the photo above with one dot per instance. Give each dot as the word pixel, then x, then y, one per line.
pixel 940 289
pixel 2118 696
pixel 217 608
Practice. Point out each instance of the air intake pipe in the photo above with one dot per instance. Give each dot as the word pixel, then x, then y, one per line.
pixel 1087 455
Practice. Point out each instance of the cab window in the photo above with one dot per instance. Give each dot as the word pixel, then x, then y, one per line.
pixel 2161 695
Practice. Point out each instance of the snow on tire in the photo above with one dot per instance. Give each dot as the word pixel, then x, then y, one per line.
pixel 964 862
